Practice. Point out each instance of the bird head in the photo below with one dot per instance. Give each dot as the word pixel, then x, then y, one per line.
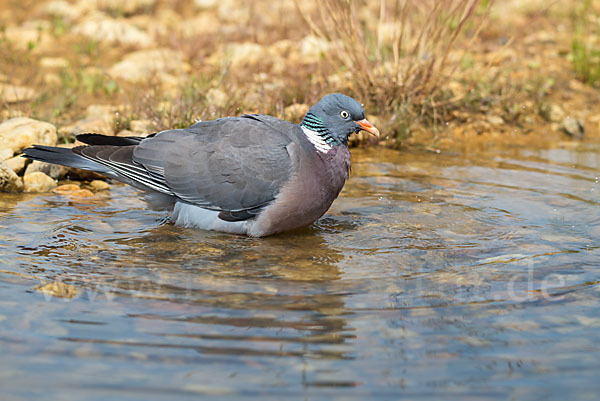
pixel 335 117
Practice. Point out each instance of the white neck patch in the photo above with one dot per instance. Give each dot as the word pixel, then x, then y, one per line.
pixel 317 140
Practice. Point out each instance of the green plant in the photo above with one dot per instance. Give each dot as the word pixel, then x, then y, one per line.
pixel 585 45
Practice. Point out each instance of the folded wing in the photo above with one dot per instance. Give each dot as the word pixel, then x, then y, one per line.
pixel 233 165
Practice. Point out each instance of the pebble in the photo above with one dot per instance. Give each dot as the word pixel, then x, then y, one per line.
pixel 495 120
pixel 6 154
pixel 111 31
pixel 22 132
pixel 16 94
pixel 217 97
pixel 9 180
pixel 99 185
pixel 94 124
pixel 66 189
pixel 54 62
pixel 571 126
pixel 141 126
pixel 57 289
pixel 552 112
pixel 73 190
pixel 55 171
pixel 17 163
pixel 142 65
pixel 38 182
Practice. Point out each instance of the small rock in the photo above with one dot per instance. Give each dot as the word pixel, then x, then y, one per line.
pixel 206 4
pixel 6 154
pixel 126 7
pixel 87 125
pixel 16 94
pixel 62 8
pixel 82 193
pixel 32 36
pixel 552 113
pixel 57 289
pixel 22 132
pixel 73 190
pixel 101 110
pixel 52 79
pixel 143 65
pixel 17 163
pixel 99 185
pixel 38 182
pixel 573 127
pixel 217 97
pixel 239 54
pixel 66 189
pixel 495 120
pixel 314 49
pixel 9 180
pixel 112 31
pixel 54 62
pixel 198 25
pixel 141 126
pixel 55 171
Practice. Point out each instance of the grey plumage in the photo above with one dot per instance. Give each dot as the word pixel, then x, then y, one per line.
pixel 253 174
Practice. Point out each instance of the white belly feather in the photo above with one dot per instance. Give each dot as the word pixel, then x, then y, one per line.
pixel 187 215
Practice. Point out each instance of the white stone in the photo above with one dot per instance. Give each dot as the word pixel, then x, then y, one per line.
pixel 32 36
pixel 61 8
pixel 22 132
pixel 113 31
pixel 95 125
pixel 16 94
pixel 54 62
pixel 206 4
pixel 143 65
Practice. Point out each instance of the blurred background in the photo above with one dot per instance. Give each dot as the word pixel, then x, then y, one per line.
pixel 436 73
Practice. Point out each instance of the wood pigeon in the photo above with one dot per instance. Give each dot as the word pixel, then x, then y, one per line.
pixel 255 175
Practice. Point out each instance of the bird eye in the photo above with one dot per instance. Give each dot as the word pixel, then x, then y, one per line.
pixel 344 114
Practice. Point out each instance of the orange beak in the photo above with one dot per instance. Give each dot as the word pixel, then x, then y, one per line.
pixel 365 125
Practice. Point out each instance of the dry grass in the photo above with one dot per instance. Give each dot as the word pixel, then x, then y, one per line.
pixel 400 52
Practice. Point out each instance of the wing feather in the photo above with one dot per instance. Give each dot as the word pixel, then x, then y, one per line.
pixel 233 165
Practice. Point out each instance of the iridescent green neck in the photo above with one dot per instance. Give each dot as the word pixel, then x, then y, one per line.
pixel 315 124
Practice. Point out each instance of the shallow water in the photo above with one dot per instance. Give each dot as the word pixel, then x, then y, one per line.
pixel 463 276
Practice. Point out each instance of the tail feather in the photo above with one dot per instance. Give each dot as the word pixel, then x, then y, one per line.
pixel 65 157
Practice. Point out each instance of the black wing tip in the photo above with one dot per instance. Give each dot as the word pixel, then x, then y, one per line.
pixel 87 136
pixel 90 138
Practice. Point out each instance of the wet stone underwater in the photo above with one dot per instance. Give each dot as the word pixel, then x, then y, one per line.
pixel 467 276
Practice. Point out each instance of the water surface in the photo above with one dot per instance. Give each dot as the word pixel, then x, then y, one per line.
pixel 468 276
